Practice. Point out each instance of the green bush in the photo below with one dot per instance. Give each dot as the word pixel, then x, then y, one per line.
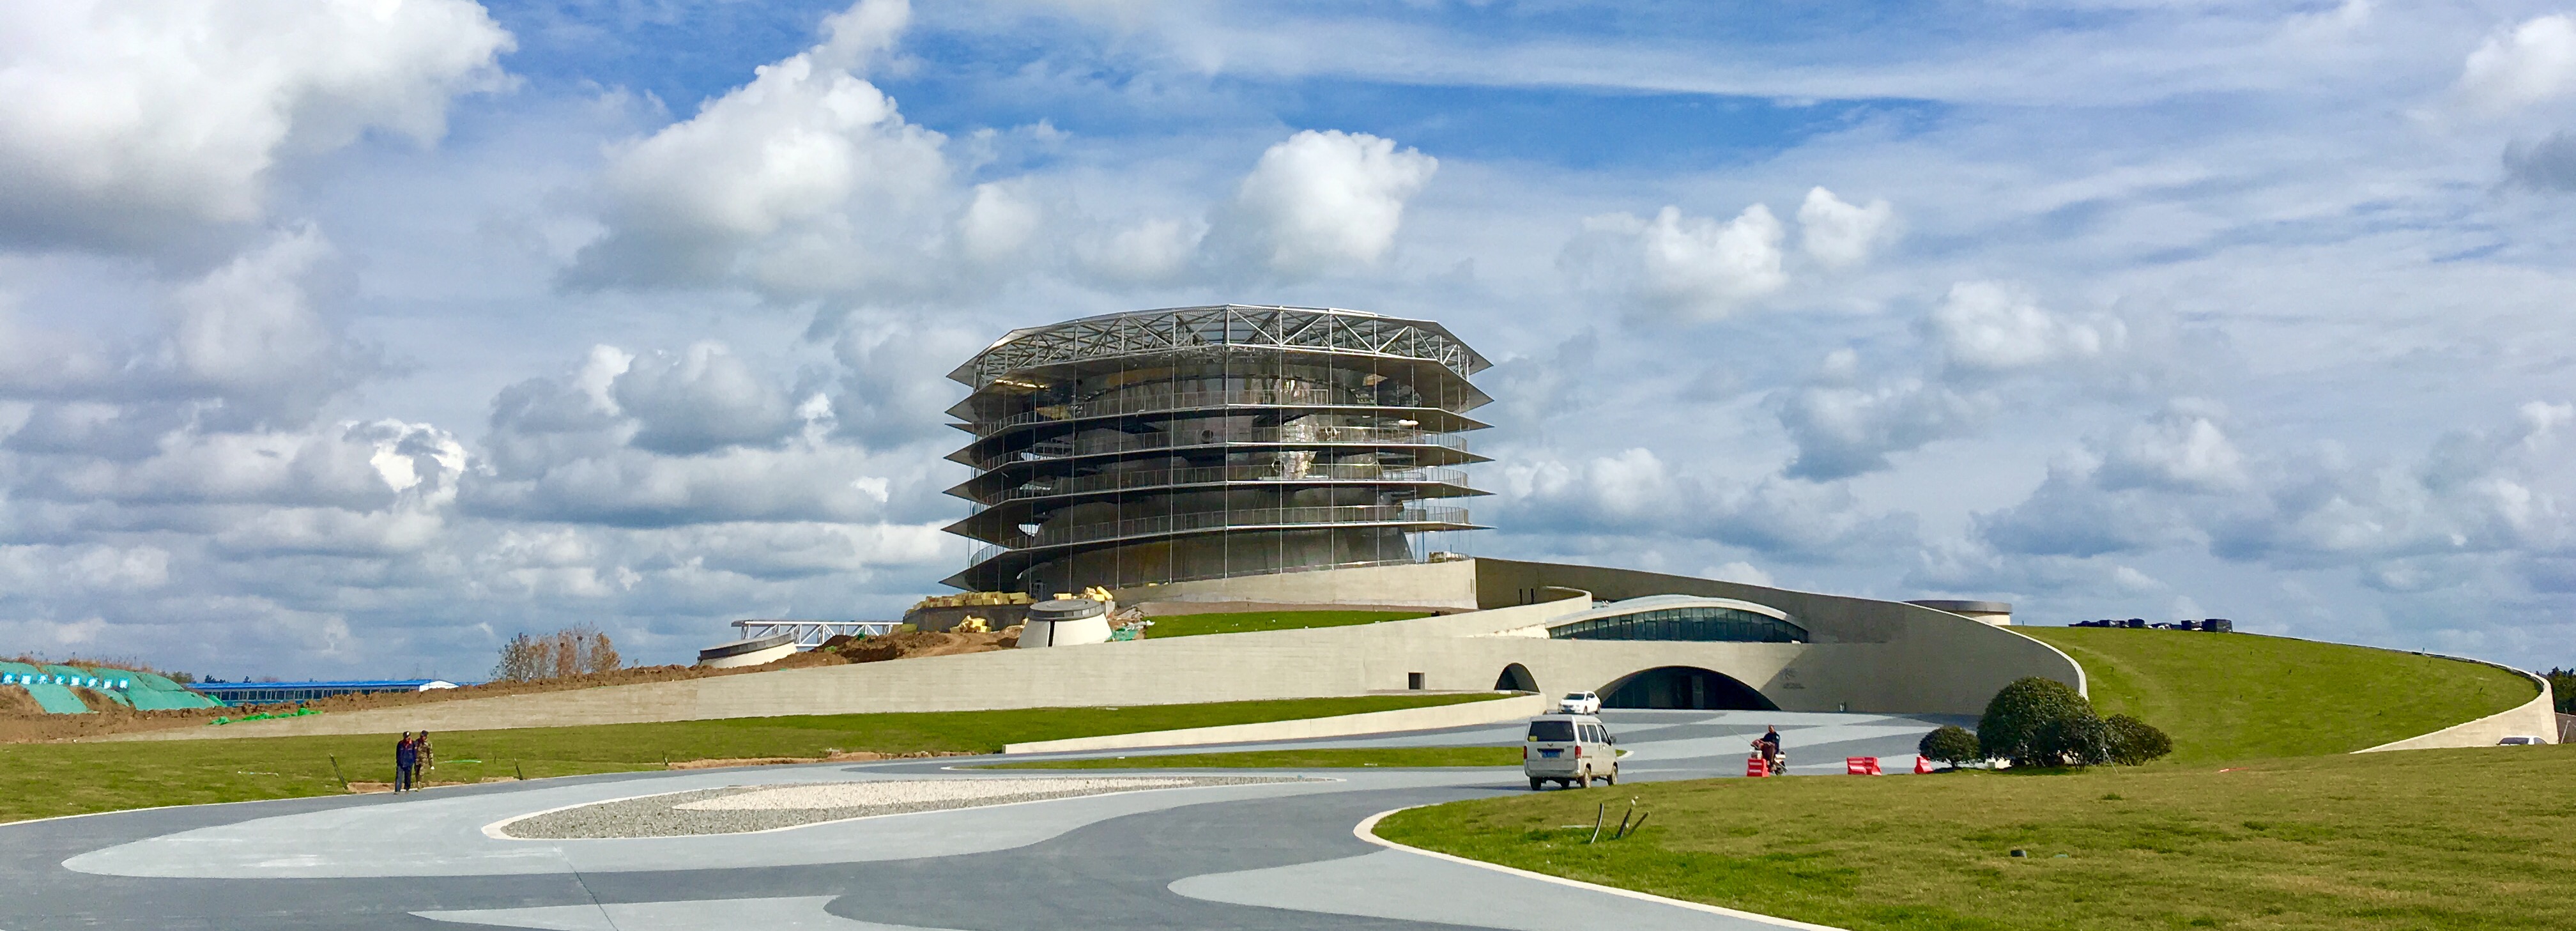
pixel 2134 742
pixel 2042 722
pixel 1951 744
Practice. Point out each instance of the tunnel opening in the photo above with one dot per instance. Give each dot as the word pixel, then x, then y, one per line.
pixel 1516 678
pixel 1684 687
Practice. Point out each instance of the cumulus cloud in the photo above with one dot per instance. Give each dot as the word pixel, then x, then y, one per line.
pixel 1634 491
pixel 806 178
pixel 666 440
pixel 2533 63
pixel 1838 234
pixel 1843 427
pixel 122 121
pixel 2182 449
pixel 1985 326
pixel 1323 202
pixel 1679 264
pixel 2547 165
pixel 699 400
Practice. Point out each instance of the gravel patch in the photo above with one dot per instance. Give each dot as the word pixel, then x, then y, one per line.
pixel 742 809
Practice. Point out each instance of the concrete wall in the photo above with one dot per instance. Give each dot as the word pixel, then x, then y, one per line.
pixel 1374 722
pixel 1874 656
pixel 2535 718
pixel 1870 655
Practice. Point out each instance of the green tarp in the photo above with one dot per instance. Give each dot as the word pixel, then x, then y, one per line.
pixel 55 699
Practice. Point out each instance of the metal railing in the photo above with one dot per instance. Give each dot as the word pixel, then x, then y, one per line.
pixel 1237 518
pixel 1170 401
pixel 1163 478
pixel 1320 436
pixel 811 634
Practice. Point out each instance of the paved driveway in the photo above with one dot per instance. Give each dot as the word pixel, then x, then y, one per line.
pixel 1274 855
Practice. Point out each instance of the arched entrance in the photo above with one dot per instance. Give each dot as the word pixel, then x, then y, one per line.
pixel 1516 678
pixel 1683 687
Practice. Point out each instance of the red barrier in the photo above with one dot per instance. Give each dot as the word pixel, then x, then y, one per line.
pixel 1756 768
pixel 1922 765
pixel 1860 766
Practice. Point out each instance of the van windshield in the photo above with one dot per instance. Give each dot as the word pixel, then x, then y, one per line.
pixel 1551 730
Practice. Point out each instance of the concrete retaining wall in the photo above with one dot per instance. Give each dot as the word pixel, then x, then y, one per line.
pixel 1873 656
pixel 1374 722
pixel 2535 718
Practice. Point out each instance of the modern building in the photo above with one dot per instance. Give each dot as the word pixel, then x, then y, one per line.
pixel 1211 442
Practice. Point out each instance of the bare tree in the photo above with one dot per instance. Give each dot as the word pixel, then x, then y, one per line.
pixel 571 651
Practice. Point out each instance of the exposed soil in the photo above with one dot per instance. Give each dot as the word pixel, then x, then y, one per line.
pixel 23 721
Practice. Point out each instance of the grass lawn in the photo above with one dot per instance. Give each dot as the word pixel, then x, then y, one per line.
pixel 41 780
pixel 2451 839
pixel 1295 759
pixel 1192 625
pixel 2240 696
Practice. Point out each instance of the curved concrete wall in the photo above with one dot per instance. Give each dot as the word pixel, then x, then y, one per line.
pixel 1874 656
pixel 2535 718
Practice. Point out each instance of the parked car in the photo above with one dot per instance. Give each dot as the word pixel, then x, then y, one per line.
pixel 1569 750
pixel 1579 703
pixel 2520 741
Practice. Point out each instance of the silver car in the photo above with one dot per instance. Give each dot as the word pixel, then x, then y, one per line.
pixel 1569 750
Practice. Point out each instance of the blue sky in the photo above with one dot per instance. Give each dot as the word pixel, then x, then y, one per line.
pixel 353 338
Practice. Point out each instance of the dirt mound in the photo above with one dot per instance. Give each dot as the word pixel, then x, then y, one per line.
pixel 925 643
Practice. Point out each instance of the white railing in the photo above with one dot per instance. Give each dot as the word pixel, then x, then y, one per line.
pixel 1237 518
pixel 1320 436
pixel 1161 478
pixel 811 634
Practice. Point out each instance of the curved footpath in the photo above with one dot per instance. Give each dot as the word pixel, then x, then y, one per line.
pixel 1273 854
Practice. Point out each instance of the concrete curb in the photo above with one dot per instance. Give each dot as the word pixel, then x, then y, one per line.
pixel 1367 830
pixel 1374 722
pixel 2537 718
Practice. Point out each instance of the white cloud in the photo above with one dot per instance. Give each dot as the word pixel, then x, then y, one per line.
pixel 700 400
pixel 1324 202
pixel 2534 63
pixel 1837 234
pixel 1842 430
pixel 2182 449
pixel 997 225
pixel 121 119
pixel 1995 327
pixel 805 178
pixel 1692 266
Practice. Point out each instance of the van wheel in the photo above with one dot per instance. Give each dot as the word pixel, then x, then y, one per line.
pixel 1537 785
pixel 1613 778
pixel 1584 781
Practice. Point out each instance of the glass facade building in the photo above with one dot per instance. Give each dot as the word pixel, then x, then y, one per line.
pixel 1697 622
pixel 1210 442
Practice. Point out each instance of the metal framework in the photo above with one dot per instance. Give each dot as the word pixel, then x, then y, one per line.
pixel 810 634
pixel 1205 442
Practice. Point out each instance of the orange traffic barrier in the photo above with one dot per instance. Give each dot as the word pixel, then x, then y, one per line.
pixel 1922 765
pixel 1756 767
pixel 1860 766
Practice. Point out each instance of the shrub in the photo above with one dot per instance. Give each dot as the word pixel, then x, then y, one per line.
pixel 1951 744
pixel 2134 742
pixel 2042 722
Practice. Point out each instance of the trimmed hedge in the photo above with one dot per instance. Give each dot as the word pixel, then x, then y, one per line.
pixel 1951 744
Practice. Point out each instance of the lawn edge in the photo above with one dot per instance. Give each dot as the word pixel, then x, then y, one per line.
pixel 1366 830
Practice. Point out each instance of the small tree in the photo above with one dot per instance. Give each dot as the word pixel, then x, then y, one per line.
pixel 2042 722
pixel 571 651
pixel 523 659
pixel 2135 742
pixel 1950 744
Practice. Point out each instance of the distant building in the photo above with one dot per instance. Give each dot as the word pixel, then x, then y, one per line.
pixel 279 693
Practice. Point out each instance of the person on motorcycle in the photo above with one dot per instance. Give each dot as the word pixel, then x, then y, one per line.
pixel 1767 747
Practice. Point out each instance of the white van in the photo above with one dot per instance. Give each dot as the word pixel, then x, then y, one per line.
pixel 1569 750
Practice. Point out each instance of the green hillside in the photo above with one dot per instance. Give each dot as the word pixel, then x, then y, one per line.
pixel 2237 696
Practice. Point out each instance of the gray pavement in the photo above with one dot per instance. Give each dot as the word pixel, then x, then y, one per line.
pixel 1275 855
